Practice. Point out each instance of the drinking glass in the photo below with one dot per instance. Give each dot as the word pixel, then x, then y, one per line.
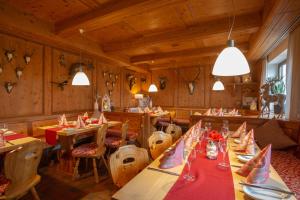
pixel 199 140
pixel 223 147
pixel 207 126
pixel 188 176
pixel 4 127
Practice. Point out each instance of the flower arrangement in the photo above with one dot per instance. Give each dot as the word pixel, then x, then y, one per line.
pixel 215 136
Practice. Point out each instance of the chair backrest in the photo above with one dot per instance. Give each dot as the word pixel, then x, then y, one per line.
pixel 20 165
pixel 124 131
pixel 127 162
pixel 100 136
pixel 175 131
pixel 158 143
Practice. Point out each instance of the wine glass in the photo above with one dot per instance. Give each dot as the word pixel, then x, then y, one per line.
pixel 199 141
pixel 223 147
pixel 4 127
pixel 188 176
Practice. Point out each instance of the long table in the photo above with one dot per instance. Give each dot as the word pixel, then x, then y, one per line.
pixel 14 144
pixel 154 185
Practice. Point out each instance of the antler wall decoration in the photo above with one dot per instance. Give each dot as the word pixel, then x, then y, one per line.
pixel 191 84
pixel 9 54
pixel 131 80
pixel 110 81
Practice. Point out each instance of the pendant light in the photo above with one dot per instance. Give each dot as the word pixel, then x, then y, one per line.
pixel 80 78
pixel 218 86
pixel 152 87
pixel 231 61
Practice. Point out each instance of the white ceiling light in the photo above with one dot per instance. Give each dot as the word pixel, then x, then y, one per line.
pixel 80 78
pixel 152 87
pixel 218 86
pixel 231 61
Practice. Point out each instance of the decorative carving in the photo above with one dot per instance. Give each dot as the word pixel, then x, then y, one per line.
pixel 9 54
pixel 61 85
pixel 9 86
pixel 162 82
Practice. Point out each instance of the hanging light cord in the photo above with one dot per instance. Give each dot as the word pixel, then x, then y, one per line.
pixel 80 66
pixel 233 20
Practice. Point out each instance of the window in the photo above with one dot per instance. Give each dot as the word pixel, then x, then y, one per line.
pixel 282 73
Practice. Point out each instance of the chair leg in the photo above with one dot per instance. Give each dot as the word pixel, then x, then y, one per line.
pixel 104 162
pixel 34 193
pixel 95 170
pixel 75 173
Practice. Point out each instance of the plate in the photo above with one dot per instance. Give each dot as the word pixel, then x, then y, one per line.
pixel 263 194
pixel 244 158
pixel 237 141
pixel 9 133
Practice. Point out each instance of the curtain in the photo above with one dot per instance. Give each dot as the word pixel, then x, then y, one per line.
pixel 293 72
pixel 263 72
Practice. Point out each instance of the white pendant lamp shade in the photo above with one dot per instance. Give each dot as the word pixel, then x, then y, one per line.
pixel 218 86
pixel 231 62
pixel 80 78
pixel 152 88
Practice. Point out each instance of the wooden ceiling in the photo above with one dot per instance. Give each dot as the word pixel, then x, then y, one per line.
pixel 154 33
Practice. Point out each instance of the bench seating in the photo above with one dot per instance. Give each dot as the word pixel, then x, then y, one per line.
pixel 288 167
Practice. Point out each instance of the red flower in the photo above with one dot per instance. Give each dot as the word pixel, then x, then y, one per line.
pixel 215 136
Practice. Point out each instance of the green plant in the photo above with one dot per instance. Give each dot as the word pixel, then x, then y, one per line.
pixel 278 86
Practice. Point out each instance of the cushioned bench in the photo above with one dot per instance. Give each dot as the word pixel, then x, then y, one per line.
pixel 288 167
pixel 131 135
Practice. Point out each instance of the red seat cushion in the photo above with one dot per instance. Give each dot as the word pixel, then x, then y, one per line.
pixel 163 120
pixel 113 141
pixel 182 122
pixel 85 150
pixel 164 124
pixel 4 183
pixel 288 167
pixel 131 135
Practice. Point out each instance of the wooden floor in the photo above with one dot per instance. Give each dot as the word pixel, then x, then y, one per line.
pixel 56 185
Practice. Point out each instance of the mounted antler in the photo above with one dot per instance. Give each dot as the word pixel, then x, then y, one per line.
pixel 191 84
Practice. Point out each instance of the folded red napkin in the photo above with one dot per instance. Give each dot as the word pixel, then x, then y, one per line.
pixel 247 144
pixel 174 157
pixel 102 119
pixel 241 130
pixel 257 169
pixel 80 123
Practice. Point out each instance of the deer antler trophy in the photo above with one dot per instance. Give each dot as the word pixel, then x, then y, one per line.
pixel 191 84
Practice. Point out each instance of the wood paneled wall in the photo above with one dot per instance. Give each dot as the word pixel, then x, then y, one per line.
pixel 35 97
pixel 176 93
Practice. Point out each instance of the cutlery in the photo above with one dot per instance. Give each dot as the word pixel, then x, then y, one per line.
pixel 237 166
pixel 267 188
pixel 163 171
pixel 10 143
pixel 244 154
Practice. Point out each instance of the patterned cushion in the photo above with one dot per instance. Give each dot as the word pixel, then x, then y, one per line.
pixel 184 122
pixel 85 150
pixel 164 120
pixel 4 183
pixel 288 167
pixel 164 124
pixel 113 141
pixel 131 135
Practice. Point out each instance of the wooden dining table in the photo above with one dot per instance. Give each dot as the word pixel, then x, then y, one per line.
pixel 14 144
pixel 152 184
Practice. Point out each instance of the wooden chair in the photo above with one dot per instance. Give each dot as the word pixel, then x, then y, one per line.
pixel 20 167
pixel 158 143
pixel 127 162
pixel 95 150
pixel 175 131
pixel 115 141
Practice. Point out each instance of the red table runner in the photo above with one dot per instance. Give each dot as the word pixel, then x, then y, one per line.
pixel 212 183
pixel 14 136
pixel 50 135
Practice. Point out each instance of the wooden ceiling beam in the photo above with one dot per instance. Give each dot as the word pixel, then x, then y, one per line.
pixel 244 24
pixel 108 14
pixel 280 20
pixel 199 52
pixel 207 61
